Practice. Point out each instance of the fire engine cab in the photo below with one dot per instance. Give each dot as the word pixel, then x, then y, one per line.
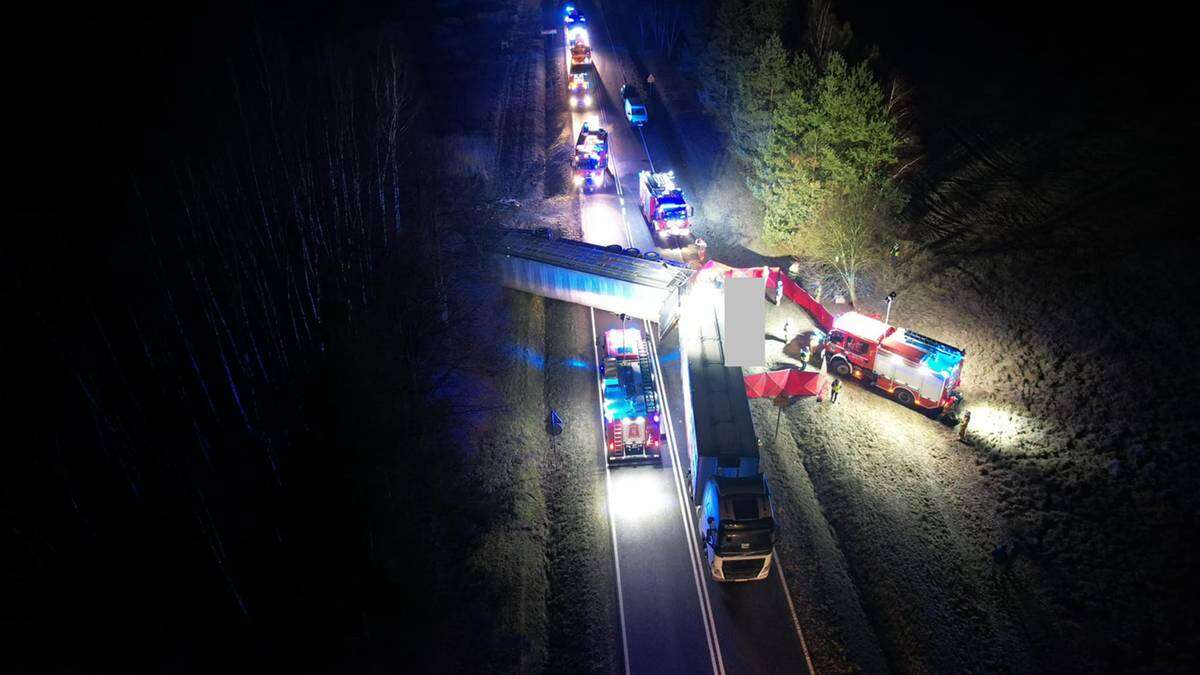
pixel 914 369
pixel 663 204
pixel 631 414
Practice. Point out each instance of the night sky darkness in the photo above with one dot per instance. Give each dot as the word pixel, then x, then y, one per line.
pixel 105 92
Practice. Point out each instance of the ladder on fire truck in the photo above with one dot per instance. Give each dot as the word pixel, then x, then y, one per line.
pixel 649 393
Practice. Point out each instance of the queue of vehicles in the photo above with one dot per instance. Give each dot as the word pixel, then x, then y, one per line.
pixel 728 489
pixel 736 522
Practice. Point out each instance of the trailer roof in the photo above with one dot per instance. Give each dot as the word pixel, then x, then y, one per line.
pixel 593 259
pixel 720 409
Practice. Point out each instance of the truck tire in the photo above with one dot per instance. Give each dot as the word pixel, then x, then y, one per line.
pixel 615 248
pixel 654 256
pixel 840 367
pixel 904 396
pixel 633 252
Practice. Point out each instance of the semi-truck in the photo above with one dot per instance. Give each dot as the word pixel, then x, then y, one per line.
pixel 735 519
pixel 663 204
pixel 914 369
pixel 591 157
pixel 632 431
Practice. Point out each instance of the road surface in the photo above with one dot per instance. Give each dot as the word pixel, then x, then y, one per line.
pixel 674 618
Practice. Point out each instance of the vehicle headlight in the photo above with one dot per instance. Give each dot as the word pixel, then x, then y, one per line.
pixel 578 180
pixel 574 101
pixel 587 100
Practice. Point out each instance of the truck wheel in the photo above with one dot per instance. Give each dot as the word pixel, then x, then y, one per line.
pixel 904 396
pixel 840 368
pixel 614 248
pixel 652 255
pixel 633 252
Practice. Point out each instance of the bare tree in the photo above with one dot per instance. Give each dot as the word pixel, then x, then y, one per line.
pixel 825 34
pixel 660 23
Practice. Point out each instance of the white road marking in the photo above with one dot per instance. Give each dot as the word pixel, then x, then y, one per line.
pixel 681 489
pixel 612 522
pixel 792 609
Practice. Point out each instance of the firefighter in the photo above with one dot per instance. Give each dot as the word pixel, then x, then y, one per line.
pixel 962 430
pixel 895 253
pixel 787 331
pixel 835 388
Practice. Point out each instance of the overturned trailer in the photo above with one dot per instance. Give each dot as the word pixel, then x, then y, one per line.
pixel 608 278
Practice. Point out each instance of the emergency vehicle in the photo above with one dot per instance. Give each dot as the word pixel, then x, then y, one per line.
pixel 631 413
pixel 914 369
pixel 572 16
pixel 663 204
pixel 591 157
pixel 581 54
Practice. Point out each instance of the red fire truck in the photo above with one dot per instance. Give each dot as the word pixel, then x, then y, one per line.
pixel 581 53
pixel 914 369
pixel 631 415
pixel 591 158
pixel 663 203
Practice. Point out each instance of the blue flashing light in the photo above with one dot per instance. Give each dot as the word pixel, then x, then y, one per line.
pixel 669 357
pixel 528 355
pixel 941 361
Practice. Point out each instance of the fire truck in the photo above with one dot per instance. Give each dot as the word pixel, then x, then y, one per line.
pixel 581 54
pixel 581 74
pixel 663 204
pixel 914 369
pixel 631 413
pixel 591 157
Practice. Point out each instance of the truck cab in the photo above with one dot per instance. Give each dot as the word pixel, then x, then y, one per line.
pixel 738 528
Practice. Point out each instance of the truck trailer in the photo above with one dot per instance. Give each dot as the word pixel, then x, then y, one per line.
pixel 632 431
pixel 912 368
pixel 735 520
pixel 621 281
pixel 663 204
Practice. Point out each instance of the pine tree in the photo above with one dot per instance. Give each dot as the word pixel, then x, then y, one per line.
pixel 822 172
pixel 772 72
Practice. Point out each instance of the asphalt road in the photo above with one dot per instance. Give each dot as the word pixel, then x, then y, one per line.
pixel 675 619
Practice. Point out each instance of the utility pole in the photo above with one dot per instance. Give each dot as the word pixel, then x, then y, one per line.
pixel 781 401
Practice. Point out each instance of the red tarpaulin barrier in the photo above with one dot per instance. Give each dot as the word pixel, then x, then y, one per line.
pixel 772 276
pixel 792 291
pixel 790 382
